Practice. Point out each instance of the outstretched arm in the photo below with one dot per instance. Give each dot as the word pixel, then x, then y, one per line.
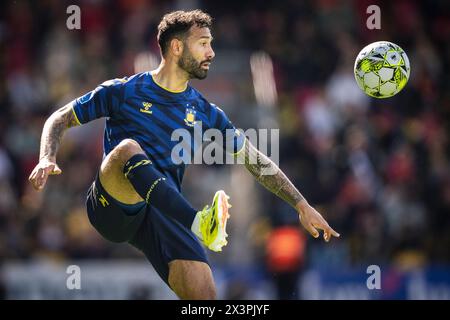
pixel 54 129
pixel 272 178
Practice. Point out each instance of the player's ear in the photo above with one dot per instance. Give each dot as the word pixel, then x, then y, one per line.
pixel 176 46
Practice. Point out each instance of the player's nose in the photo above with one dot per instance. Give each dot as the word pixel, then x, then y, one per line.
pixel 210 54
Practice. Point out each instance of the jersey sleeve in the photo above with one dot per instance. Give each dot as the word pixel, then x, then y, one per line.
pixel 234 139
pixel 103 101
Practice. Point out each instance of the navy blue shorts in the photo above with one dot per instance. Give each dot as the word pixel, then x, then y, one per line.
pixel 159 237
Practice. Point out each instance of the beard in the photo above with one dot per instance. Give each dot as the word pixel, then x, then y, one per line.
pixel 192 66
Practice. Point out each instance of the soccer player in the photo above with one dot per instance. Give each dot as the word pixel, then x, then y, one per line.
pixel 136 196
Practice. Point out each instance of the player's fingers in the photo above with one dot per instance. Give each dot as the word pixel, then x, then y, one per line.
pixel 334 233
pixel 313 231
pixel 32 175
pixel 35 175
pixel 323 225
pixel 39 175
pixel 32 178
pixel 37 178
pixel 328 232
pixel 326 235
pixel 42 177
pixel 47 172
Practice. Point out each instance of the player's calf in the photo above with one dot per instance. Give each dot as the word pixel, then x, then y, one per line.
pixel 192 280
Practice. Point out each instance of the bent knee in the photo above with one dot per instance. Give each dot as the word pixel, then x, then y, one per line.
pixel 116 159
pixel 129 145
pixel 127 148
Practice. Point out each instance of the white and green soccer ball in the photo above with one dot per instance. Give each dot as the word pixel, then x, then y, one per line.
pixel 382 69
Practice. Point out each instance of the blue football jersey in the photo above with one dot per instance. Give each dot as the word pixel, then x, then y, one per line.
pixel 140 109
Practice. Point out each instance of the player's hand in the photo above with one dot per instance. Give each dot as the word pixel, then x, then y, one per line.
pixel 40 173
pixel 313 221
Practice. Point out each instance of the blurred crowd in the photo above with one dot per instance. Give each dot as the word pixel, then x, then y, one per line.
pixel 377 169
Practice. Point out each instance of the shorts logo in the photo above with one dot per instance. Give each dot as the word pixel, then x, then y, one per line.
pixel 147 106
pixel 103 201
pixel 190 117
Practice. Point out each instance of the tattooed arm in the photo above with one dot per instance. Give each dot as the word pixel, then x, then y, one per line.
pixel 268 174
pixel 54 128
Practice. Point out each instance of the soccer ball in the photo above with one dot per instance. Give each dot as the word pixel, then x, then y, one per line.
pixel 382 69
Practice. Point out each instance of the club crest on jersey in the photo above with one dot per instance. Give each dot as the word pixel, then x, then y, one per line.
pixel 190 117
